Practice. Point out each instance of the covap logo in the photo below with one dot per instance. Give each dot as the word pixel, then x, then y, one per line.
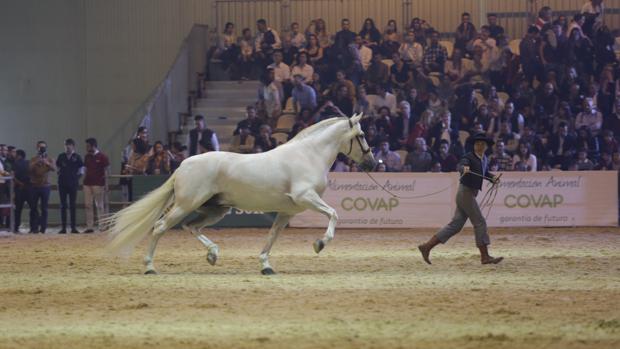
pixel 372 204
pixel 535 201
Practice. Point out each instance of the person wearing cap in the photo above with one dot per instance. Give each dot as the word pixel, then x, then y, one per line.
pixel 473 168
pixel 70 168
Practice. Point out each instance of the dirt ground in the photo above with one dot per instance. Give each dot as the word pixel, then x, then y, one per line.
pixel 557 288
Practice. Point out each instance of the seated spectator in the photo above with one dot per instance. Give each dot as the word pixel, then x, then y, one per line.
pixel 411 52
pixel 361 103
pixel 436 55
pixel 342 40
pixel 266 42
pixel 436 104
pixel 609 144
pixel 243 142
pixel 615 161
pixel 372 136
pixel 201 135
pixel 506 135
pixel 561 147
pixel 341 164
pixel 298 39
pixel 245 59
pixel 454 69
pixel 177 155
pixel 391 39
pixel 343 101
pixel 563 115
pixel 403 126
pixel 381 167
pixel 416 102
pixel 384 122
pixel 371 35
pixel 419 160
pixel 605 163
pixel 436 167
pixel 302 68
pixel 448 161
pixel 516 119
pixel 226 44
pixel 587 142
pixel 524 157
pixel 319 29
pixel 389 158
pixel 341 79
pixel 420 130
pixel 327 111
pixel 401 76
pixel 384 99
pixel 289 50
pixel 251 121
pixel 583 163
pixel 590 117
pixel 281 71
pixel 264 140
pixel 315 54
pixel 303 95
pixel 159 162
pixel 377 73
pixel 443 129
pixel 495 30
pixel 464 33
pixel 421 29
pixel 500 158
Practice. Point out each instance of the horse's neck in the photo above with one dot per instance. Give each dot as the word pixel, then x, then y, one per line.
pixel 326 145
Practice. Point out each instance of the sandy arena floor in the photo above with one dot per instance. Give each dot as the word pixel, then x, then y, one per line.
pixel 557 288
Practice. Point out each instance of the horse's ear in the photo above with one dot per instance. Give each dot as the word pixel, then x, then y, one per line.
pixel 355 119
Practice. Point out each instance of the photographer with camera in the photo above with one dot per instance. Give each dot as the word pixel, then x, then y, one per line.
pixel 40 168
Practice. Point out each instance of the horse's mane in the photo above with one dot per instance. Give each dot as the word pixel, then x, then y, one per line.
pixel 316 128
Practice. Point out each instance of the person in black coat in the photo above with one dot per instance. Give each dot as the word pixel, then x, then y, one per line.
pixel 69 166
pixel 201 135
pixel 474 168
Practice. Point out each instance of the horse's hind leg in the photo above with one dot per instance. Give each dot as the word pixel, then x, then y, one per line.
pixel 174 216
pixel 207 216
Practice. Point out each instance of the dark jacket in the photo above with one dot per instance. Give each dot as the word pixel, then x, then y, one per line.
pixel 475 165
pixel 205 139
pixel 69 169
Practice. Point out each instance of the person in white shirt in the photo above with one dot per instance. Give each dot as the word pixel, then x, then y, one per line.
pixel 282 72
pixel 384 99
pixel 590 117
pixel 488 45
pixel 525 158
pixel 302 68
pixel 365 54
pixel 411 51
pixel 297 39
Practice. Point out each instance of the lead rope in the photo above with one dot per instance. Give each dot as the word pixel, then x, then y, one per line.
pixel 487 200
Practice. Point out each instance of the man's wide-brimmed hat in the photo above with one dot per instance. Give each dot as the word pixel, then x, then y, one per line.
pixel 481 137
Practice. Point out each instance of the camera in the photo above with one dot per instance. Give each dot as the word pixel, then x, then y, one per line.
pixel 42 151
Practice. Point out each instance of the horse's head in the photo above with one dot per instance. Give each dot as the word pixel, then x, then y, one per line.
pixel 356 147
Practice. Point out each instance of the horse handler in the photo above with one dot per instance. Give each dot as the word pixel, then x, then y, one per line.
pixel 473 168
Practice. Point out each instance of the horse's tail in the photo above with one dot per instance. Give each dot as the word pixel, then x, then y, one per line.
pixel 130 225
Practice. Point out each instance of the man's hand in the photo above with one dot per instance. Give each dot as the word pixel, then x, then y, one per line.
pixel 465 169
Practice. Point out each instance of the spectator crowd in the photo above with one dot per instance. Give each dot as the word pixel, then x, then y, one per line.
pixel 550 99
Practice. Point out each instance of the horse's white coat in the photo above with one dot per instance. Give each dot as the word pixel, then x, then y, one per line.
pixel 288 180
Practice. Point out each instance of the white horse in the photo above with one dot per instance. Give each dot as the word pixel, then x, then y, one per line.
pixel 288 180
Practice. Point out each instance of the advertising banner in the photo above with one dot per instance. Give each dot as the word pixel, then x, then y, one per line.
pixel 427 200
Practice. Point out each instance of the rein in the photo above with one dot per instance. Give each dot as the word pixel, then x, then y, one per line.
pixel 487 200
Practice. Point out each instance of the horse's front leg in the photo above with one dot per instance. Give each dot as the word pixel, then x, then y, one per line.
pixel 311 200
pixel 279 224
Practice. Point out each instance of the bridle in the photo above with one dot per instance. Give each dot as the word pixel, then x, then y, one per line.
pixel 358 138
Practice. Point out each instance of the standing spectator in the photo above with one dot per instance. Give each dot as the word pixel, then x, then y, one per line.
pixel 96 166
pixel 69 166
pixel 495 29
pixel 436 55
pixel 270 96
pixel 141 150
pixel 298 39
pixel 389 158
pixel 304 96
pixel 594 11
pixel 500 159
pixel 464 33
pixel 419 160
pixel 525 157
pixel 40 167
pixel 159 162
pixel 202 135
pixel 22 186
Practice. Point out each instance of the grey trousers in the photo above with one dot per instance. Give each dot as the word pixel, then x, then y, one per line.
pixel 466 207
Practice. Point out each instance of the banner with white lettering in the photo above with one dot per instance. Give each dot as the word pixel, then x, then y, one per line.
pixel 556 198
pixel 426 200
pixel 586 198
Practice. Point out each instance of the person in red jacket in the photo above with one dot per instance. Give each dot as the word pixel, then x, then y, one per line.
pixel 96 165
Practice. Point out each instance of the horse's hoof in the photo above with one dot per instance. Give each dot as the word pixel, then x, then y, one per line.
pixel 267 271
pixel 150 272
pixel 318 245
pixel 212 255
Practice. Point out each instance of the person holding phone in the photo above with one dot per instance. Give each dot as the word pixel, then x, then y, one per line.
pixel 39 169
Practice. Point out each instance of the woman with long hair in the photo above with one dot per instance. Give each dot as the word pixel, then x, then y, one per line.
pixel 370 34
pixel 391 39
pixel 525 157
